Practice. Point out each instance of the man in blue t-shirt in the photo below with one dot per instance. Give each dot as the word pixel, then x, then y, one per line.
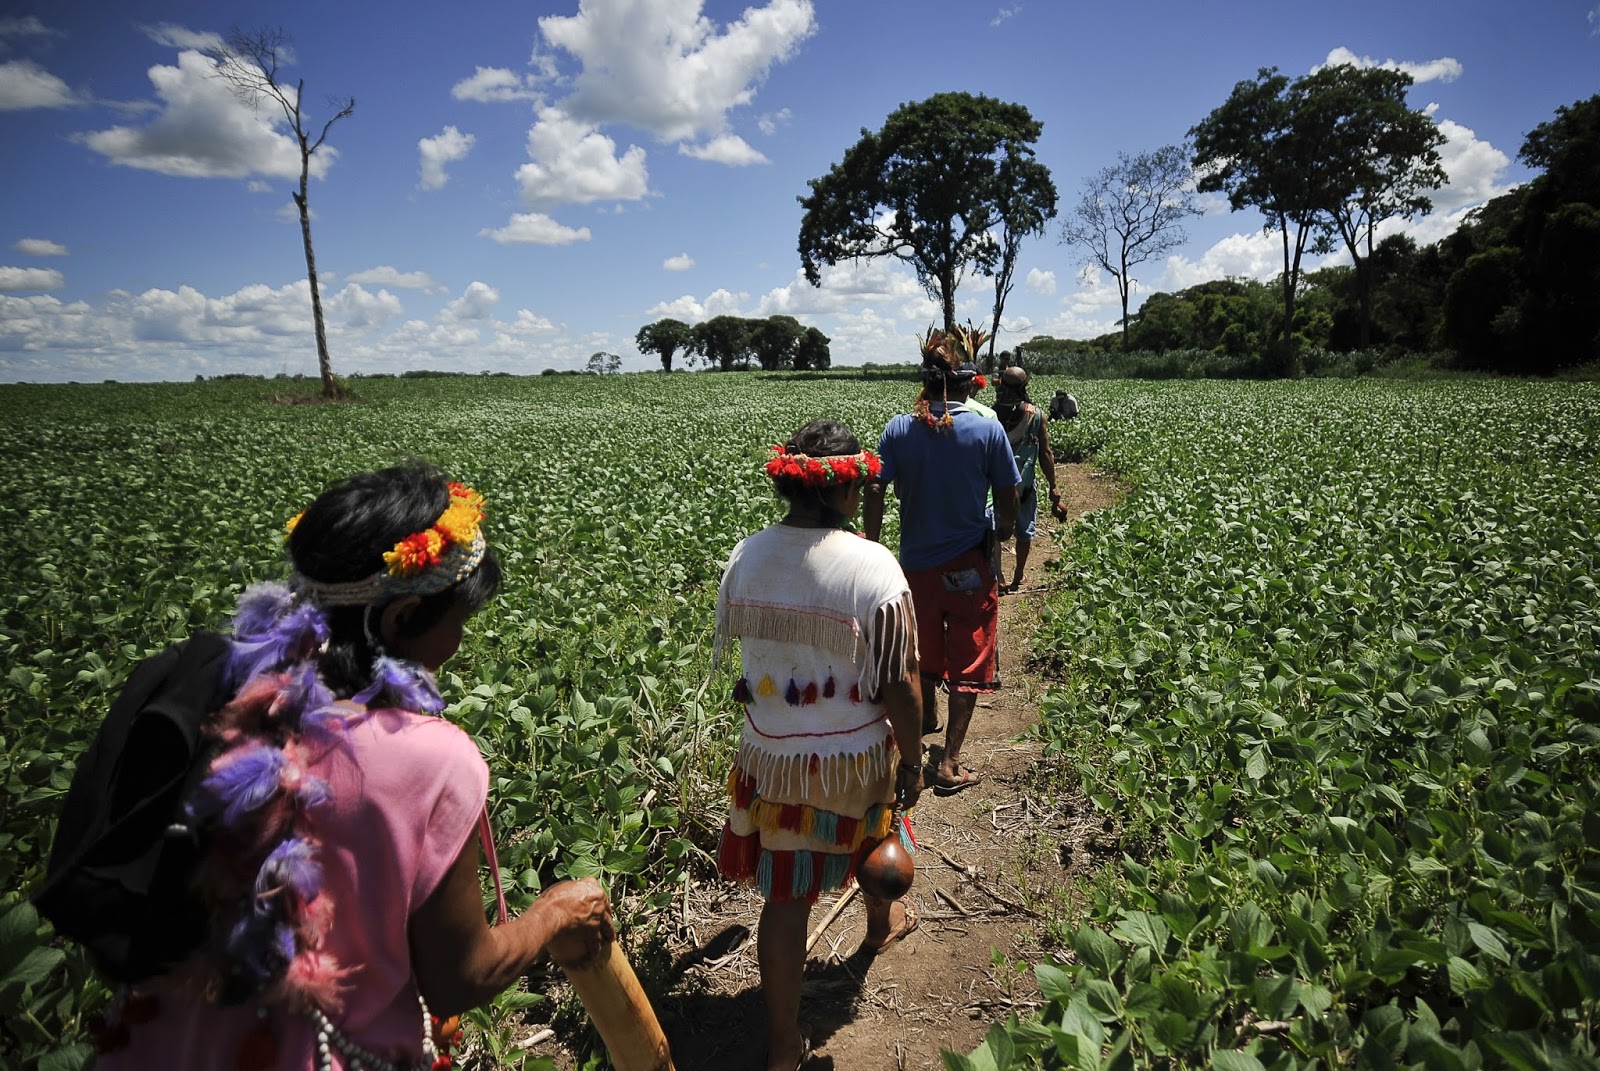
pixel 944 460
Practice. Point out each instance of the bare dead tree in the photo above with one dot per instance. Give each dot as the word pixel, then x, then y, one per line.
pixel 248 61
pixel 1132 212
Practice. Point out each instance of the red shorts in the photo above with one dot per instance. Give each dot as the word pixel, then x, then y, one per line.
pixel 958 608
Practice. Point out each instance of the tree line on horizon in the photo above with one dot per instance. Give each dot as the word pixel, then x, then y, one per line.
pixel 737 343
pixel 950 185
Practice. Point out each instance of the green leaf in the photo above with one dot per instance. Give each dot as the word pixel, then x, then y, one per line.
pixel 1275 996
pixel 1054 983
pixel 1464 977
pixel 1096 950
pixel 1143 929
pixel 1235 1060
pixel 71 1058
pixel 1489 942
pixel 34 968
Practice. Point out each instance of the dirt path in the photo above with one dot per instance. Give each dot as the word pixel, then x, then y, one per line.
pixel 990 869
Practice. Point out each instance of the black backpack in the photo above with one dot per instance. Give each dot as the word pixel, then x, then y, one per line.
pixel 118 877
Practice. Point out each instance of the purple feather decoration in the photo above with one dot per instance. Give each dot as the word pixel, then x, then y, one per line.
pixel 248 659
pixel 259 608
pixel 402 684
pixel 314 792
pixel 292 864
pixel 243 780
pixel 272 632
pixel 256 943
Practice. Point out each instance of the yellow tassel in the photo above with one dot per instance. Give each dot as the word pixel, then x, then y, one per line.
pixel 766 687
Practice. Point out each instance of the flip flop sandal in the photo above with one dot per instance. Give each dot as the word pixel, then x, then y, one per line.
pixel 968 778
pixel 907 927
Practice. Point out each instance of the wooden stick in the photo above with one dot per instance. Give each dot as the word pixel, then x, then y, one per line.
pixel 611 994
pixel 827 920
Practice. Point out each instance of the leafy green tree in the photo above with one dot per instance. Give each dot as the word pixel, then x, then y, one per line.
pixel 1482 309
pixel 1132 212
pixel 248 61
pixel 1522 297
pixel 775 341
pixel 664 338
pixel 1384 158
pixel 812 353
pixel 930 189
pixel 1254 148
pixel 1561 238
pixel 722 340
pixel 604 364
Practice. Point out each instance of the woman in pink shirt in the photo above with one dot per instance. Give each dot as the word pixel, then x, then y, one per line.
pixel 342 813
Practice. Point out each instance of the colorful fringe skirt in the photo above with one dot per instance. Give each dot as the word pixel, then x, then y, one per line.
pixel 798 849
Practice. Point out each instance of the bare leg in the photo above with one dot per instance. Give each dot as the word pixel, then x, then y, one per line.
pixel 1024 544
pixel 955 734
pixel 781 954
pixel 930 703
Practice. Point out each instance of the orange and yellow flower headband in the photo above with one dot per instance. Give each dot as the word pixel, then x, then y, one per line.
pixel 425 562
pixel 820 472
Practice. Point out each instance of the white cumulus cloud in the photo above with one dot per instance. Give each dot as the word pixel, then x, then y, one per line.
pixel 535 228
pixel 384 275
pixel 475 303
pixel 40 247
pixel 14 279
pixel 665 67
pixel 438 152
pixel 573 163
pixel 727 149
pixel 493 85
pixel 358 307
pixel 179 37
pixel 1472 168
pixel 1441 70
pixel 681 262
pixel 203 131
pixel 1041 282
pixel 24 84
pixel 769 123
pixel 691 309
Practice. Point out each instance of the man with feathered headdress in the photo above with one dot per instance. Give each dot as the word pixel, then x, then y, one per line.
pixel 944 461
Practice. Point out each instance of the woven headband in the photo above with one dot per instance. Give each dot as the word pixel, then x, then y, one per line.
pixel 432 560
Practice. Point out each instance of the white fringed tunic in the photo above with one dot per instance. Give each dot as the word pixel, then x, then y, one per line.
pixel 821 617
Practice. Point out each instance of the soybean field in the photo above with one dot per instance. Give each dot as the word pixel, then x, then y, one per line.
pixel 1330 670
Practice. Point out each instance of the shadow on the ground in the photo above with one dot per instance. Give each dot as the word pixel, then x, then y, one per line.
pixel 729 1030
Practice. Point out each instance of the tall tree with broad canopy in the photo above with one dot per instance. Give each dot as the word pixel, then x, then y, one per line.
pixel 1256 148
pixel 1132 212
pixel 248 61
pixel 1385 158
pixel 930 189
pixel 722 340
pixel 812 354
pixel 665 338
pixel 775 341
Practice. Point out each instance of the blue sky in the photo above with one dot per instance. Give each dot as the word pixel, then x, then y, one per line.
pixel 522 185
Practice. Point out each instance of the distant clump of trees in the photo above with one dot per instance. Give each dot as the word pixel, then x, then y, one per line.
pixel 738 343
pixel 1513 290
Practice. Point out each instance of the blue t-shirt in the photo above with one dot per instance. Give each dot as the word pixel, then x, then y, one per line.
pixel 942 477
